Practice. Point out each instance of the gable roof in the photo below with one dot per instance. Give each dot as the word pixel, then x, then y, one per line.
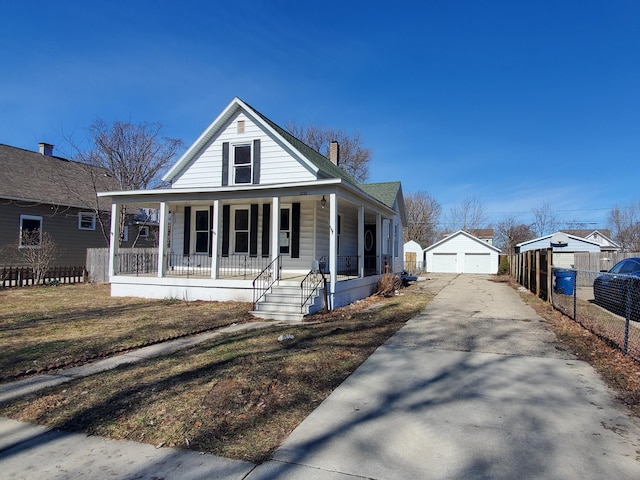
pixel 29 176
pixel 465 234
pixel 317 162
pixel 556 237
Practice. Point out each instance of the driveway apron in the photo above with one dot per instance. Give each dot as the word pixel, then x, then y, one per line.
pixel 474 387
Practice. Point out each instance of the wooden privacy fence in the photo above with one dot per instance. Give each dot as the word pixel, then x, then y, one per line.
pixel 598 261
pixel 533 270
pixel 24 276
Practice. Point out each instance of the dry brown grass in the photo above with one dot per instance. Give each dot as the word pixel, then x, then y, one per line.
pixel 44 327
pixel 238 396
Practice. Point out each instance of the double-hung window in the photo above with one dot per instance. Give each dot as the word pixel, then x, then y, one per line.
pixel 242 164
pixel 285 231
pixel 241 231
pixel 87 221
pixel 30 231
pixel 201 231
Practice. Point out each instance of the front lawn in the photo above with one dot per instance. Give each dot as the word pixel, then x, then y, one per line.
pixel 237 396
pixel 41 327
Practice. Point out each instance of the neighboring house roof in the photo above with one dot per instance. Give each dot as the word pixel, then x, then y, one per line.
pixel 463 233
pixel 420 245
pixel 481 232
pixel 603 237
pixel 30 176
pixel 557 240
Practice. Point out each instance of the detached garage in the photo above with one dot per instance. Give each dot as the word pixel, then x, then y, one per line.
pixel 461 252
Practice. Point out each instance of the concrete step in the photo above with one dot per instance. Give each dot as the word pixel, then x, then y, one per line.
pixel 278 307
pixel 296 317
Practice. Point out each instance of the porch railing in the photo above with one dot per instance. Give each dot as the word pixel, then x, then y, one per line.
pixel 187 265
pixel 310 285
pixel 267 277
pixel 242 266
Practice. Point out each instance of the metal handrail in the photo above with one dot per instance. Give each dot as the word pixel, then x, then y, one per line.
pixel 267 277
pixel 311 281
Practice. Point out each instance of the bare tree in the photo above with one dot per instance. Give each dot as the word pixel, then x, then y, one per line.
pixel 354 157
pixel 134 154
pixel 423 212
pixel 544 220
pixel 38 252
pixel 509 232
pixel 624 223
pixel 468 215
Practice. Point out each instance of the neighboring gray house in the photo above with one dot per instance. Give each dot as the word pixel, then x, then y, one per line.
pixel 43 192
pixel 564 246
pixel 253 210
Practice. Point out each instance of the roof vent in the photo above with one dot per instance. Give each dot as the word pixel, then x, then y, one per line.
pixel 46 149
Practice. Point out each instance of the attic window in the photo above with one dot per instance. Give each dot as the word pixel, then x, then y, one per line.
pixel 242 164
pixel 240 126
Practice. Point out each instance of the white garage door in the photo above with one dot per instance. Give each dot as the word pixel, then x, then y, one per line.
pixel 477 263
pixel 444 262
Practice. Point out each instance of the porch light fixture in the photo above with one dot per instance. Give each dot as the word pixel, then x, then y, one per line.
pixel 323 202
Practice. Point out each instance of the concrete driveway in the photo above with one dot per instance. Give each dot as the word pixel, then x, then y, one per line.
pixel 472 388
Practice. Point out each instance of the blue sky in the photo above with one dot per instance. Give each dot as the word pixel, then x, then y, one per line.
pixel 514 103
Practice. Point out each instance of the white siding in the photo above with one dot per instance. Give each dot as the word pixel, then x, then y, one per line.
pixel 563 260
pixel 276 164
pixel 471 256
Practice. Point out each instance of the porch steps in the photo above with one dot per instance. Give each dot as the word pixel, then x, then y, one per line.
pixel 282 302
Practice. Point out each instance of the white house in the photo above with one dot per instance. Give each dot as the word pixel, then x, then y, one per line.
pixel 414 258
pixel 564 246
pixel 254 214
pixel 462 252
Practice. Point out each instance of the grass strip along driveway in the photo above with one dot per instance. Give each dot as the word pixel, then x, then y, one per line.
pixel 237 396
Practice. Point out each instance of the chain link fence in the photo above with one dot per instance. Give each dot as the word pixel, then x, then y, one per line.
pixel 608 304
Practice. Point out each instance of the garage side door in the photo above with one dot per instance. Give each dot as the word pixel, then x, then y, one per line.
pixel 477 263
pixel 444 262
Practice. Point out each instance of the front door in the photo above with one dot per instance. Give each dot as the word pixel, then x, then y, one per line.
pixel 370 253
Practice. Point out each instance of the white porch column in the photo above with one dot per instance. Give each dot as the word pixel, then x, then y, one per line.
pixel 114 237
pixel 361 241
pixel 379 245
pixel 333 239
pixel 275 228
pixel 162 239
pixel 215 227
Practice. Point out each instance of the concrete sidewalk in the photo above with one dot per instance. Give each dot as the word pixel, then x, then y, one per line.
pixel 474 387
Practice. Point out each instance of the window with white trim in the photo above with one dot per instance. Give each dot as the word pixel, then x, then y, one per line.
pixel 242 164
pixel 144 231
pixel 86 221
pixel 285 231
pixel 30 231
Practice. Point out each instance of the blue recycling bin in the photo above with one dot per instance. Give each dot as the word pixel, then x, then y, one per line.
pixel 565 280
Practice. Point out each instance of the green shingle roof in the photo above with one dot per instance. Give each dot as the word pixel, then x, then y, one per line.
pixel 327 168
pixel 386 192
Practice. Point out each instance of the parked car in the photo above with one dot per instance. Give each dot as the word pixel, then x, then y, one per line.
pixel 620 286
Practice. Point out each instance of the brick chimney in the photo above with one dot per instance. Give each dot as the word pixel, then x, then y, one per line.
pixel 334 152
pixel 46 149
